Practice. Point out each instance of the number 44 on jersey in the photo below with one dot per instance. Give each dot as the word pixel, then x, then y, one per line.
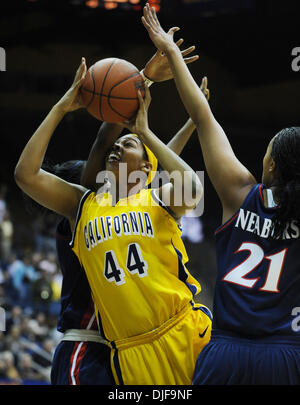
pixel 135 264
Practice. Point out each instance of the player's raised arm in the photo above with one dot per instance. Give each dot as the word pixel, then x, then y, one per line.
pixel 106 137
pixel 156 69
pixel 170 162
pixel 45 188
pixel 230 178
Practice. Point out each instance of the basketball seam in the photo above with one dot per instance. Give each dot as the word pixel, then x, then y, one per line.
pixel 126 78
pixel 115 85
pixel 121 81
pixel 106 95
pixel 105 77
pixel 117 112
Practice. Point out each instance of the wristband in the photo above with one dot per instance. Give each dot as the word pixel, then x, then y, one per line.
pixel 147 81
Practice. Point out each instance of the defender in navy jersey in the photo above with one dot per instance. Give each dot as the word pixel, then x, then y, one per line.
pixel 255 337
pixel 258 274
pixel 82 357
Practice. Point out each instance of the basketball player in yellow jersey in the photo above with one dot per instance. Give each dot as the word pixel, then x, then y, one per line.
pixel 130 249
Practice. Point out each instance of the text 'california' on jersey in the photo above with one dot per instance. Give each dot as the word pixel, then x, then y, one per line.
pixel 134 259
pixel 258 280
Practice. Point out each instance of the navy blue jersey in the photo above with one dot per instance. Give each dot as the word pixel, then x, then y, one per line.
pixel 258 281
pixel 77 308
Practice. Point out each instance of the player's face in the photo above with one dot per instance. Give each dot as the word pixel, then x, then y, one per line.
pixel 127 149
pixel 268 167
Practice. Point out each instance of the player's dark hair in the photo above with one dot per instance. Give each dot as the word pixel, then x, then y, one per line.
pixel 70 171
pixel 286 154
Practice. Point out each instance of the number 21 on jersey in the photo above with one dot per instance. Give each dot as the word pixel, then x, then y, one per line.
pixel 238 274
pixel 135 264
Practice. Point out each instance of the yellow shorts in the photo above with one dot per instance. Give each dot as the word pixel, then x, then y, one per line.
pixel 166 355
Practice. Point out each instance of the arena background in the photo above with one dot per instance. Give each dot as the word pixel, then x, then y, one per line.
pixel 245 49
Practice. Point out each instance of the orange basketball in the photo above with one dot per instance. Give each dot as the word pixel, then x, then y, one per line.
pixel 109 90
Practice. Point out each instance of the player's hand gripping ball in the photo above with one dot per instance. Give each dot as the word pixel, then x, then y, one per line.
pixel 109 91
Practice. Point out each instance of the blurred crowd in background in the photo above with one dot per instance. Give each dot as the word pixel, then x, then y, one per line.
pixel 30 286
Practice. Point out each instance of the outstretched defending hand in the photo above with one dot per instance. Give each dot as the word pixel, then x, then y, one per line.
pixel 161 39
pixel 72 100
pixel 157 68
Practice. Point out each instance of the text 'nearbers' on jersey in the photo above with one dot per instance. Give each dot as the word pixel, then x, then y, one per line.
pixel 258 281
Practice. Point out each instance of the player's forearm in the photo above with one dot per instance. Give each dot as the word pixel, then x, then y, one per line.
pixel 190 93
pixel 170 161
pixel 178 142
pixel 33 154
pixel 106 137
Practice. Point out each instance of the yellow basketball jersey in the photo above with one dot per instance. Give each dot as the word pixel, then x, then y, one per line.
pixel 134 259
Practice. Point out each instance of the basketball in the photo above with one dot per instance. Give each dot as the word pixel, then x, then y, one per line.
pixel 109 91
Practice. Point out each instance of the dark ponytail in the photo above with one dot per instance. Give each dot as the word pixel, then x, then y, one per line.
pixel 286 154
